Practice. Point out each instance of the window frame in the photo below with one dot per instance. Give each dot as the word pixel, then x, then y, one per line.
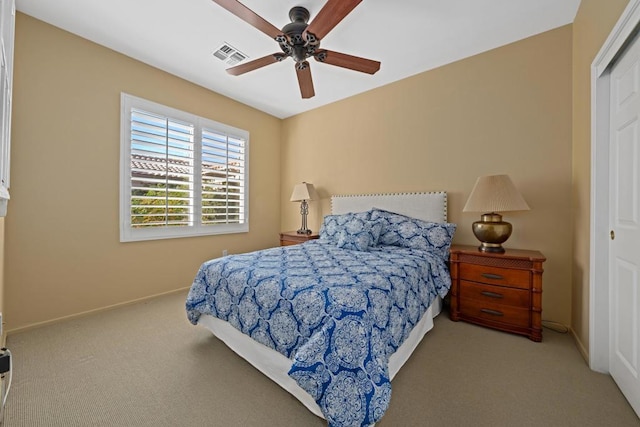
pixel 132 234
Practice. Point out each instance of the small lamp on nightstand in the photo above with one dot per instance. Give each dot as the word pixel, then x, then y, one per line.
pixel 492 194
pixel 302 193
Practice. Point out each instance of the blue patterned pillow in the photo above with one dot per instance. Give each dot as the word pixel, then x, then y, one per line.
pixel 401 230
pixel 391 224
pixel 359 234
pixel 333 224
pixel 430 236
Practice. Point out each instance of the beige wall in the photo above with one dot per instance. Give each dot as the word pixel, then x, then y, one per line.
pixel 504 111
pixel 593 23
pixel 63 254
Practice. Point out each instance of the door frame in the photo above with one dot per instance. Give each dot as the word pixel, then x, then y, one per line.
pixel 624 30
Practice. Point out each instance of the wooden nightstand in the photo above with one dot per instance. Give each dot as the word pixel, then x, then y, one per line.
pixel 500 291
pixel 293 238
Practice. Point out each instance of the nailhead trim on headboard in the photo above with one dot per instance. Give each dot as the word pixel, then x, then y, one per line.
pixel 418 205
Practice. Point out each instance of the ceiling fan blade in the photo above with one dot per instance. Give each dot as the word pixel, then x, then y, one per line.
pixel 329 16
pixel 351 62
pixel 249 16
pixel 255 64
pixel 304 80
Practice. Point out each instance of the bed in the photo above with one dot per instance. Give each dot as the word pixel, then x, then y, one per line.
pixel 333 320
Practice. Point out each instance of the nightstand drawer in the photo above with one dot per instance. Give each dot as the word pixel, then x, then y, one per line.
pixel 495 294
pixel 288 238
pixel 495 312
pixel 495 275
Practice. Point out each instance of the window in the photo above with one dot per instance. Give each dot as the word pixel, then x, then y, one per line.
pixel 180 175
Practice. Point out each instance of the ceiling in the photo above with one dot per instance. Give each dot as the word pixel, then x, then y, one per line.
pixel 407 37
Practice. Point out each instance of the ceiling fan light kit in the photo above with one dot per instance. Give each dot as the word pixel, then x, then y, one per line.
pixel 301 41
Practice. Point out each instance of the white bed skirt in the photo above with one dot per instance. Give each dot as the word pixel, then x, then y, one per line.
pixel 276 366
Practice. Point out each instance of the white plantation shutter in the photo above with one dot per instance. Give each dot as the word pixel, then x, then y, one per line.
pixel 181 175
pixel 223 178
pixel 162 167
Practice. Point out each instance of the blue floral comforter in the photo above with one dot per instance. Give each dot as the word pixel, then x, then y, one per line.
pixel 338 314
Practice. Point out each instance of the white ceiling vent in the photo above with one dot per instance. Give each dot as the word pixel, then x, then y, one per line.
pixel 229 54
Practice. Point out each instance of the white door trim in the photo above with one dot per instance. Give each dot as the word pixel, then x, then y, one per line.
pixel 623 31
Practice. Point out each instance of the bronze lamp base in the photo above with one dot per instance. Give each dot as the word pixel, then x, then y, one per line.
pixel 304 211
pixel 492 232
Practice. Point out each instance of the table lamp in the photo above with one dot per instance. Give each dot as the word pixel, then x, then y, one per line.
pixel 302 193
pixel 492 194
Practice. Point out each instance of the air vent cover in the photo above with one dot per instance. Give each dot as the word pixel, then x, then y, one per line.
pixel 229 54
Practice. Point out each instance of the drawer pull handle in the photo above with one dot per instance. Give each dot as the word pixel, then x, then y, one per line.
pixel 493 312
pixel 492 276
pixel 491 294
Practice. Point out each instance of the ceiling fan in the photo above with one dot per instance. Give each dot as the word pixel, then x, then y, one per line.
pixel 301 41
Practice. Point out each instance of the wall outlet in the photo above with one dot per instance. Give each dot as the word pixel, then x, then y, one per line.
pixel 224 252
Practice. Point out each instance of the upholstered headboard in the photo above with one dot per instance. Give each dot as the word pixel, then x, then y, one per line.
pixel 425 206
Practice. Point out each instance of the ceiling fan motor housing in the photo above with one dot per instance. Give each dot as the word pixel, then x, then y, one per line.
pixel 294 43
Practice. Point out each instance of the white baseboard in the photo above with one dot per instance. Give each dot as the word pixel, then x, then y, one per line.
pixel 88 312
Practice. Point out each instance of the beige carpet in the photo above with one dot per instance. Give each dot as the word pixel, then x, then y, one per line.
pixel 145 365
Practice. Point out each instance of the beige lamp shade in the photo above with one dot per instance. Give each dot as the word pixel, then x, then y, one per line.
pixel 495 193
pixel 304 191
